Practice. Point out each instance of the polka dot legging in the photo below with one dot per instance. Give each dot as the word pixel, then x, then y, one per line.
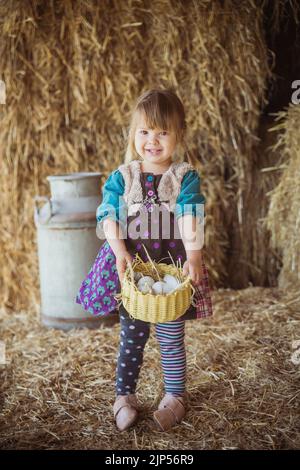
pixel 133 338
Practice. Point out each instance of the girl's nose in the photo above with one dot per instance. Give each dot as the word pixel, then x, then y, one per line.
pixel 152 138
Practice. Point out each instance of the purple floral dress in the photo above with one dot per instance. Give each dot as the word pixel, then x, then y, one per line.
pixel 98 289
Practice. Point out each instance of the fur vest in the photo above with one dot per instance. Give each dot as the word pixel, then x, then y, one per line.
pixel 168 189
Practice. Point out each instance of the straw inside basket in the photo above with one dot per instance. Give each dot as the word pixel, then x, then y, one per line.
pixel 155 308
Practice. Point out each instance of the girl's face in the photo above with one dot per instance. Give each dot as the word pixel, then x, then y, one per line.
pixel 155 146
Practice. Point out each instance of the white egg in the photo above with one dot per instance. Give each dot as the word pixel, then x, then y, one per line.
pixel 145 283
pixel 177 287
pixel 158 287
pixel 145 289
pixel 171 281
pixel 167 289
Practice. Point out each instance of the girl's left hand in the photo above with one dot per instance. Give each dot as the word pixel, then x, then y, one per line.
pixel 193 267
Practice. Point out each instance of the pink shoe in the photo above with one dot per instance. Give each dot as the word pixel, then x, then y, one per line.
pixel 170 412
pixel 125 411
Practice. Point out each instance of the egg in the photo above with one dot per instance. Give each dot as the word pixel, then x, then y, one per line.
pixel 171 281
pixel 145 283
pixel 167 289
pixel 177 287
pixel 158 287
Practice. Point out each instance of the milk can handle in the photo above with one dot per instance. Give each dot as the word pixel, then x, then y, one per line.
pixel 37 209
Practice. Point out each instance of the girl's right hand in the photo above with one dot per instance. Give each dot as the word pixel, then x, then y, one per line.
pixel 121 263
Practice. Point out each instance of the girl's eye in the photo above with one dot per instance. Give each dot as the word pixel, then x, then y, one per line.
pixel 145 132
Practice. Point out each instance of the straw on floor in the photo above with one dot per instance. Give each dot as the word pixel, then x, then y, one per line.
pixel 243 383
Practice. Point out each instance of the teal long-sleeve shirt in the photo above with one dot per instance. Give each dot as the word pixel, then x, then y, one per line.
pixel 189 201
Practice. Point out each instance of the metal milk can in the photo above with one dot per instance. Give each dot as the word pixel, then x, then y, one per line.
pixel 67 248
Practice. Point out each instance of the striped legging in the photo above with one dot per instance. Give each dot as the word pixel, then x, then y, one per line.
pixel 133 338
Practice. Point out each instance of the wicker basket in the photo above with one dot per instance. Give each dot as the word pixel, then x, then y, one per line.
pixel 155 308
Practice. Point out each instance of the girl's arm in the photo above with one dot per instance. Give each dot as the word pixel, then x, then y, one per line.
pixel 193 238
pixel 192 234
pixel 114 237
pixel 190 217
pixel 111 215
pixel 113 205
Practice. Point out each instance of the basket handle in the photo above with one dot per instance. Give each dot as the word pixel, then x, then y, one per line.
pixel 131 271
pixel 193 288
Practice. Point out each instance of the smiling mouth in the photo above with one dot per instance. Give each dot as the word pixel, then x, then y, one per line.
pixel 153 152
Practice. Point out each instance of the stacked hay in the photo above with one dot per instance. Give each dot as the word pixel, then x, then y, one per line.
pixel 264 262
pixel 73 71
pixel 282 35
pixel 283 218
pixel 69 82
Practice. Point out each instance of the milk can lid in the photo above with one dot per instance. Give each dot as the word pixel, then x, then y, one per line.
pixel 74 176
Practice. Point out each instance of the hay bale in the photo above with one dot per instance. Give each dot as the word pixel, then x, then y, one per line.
pixel 221 74
pixel 283 218
pixel 76 69
pixel 262 261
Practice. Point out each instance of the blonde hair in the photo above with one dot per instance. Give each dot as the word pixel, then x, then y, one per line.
pixel 161 109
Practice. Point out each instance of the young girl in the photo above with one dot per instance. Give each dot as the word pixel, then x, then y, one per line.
pixel 151 184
